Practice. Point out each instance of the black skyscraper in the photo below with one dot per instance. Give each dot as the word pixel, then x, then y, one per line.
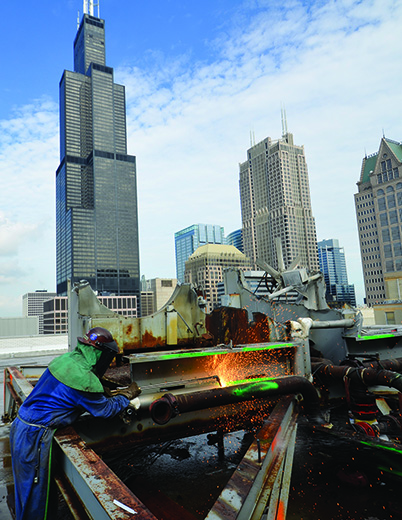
pixel 96 193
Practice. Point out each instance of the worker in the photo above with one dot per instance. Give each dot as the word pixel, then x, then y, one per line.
pixel 70 386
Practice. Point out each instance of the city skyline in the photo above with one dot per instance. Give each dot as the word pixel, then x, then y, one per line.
pixel 199 79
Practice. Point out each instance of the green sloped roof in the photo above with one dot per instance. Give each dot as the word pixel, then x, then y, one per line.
pixel 396 149
pixel 369 164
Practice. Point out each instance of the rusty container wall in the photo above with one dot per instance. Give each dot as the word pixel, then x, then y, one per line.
pixel 181 322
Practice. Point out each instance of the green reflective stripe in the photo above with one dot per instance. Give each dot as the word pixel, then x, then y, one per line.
pixel 381 446
pixel 376 336
pixel 268 347
pixel 49 477
pixel 181 355
pixel 251 380
pixel 254 387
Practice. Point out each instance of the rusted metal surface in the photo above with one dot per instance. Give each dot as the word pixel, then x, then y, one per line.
pixel 16 389
pixel 74 504
pixel 243 497
pixel 230 324
pixel 98 488
pixel 181 322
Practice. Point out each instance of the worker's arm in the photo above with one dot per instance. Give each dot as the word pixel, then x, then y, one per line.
pixel 101 406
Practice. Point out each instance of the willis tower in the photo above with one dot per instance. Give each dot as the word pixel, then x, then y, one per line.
pixel 96 186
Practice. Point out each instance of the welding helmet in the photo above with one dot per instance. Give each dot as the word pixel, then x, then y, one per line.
pixel 101 339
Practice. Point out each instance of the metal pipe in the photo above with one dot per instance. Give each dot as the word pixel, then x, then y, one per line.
pixel 332 324
pixel 162 410
pixel 362 375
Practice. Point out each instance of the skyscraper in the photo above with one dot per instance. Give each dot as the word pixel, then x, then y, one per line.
pixel 379 219
pixel 187 240
pixel 96 192
pixel 333 266
pixel 275 203
pixel 235 238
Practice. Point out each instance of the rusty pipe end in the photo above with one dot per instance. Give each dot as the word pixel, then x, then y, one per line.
pixel 163 409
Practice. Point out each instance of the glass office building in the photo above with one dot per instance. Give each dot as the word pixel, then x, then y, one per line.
pixel 333 266
pixel 96 186
pixel 189 239
pixel 235 238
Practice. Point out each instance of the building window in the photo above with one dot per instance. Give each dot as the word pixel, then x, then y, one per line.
pixel 393 217
pixel 381 204
pixel 397 249
pixel 391 201
pixel 384 219
pixel 386 235
pixel 395 233
pixel 390 318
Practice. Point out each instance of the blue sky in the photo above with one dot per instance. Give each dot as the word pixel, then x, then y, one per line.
pixel 199 76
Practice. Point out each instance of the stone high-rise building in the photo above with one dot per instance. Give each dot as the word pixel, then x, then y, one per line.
pixel 96 186
pixel 205 267
pixel 379 219
pixel 275 203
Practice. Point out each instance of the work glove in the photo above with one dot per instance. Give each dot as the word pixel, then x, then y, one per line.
pixel 130 392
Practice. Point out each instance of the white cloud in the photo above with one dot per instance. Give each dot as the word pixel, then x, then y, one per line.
pixel 28 160
pixel 13 234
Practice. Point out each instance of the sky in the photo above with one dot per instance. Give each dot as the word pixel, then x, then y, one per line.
pixel 203 79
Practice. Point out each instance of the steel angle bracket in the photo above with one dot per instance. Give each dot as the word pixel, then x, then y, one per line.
pixel 259 487
pixel 89 485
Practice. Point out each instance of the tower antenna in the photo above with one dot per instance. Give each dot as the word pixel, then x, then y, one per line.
pixel 284 122
pixel 252 138
pixel 89 6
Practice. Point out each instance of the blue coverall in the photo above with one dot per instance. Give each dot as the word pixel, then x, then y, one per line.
pixel 50 405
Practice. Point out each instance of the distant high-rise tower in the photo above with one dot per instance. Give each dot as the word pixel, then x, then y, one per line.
pixel 190 238
pixel 235 238
pixel 379 219
pixel 96 191
pixel 275 203
pixel 333 267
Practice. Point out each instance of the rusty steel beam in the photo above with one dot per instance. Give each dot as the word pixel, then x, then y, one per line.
pixel 249 493
pixel 16 390
pixel 100 491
